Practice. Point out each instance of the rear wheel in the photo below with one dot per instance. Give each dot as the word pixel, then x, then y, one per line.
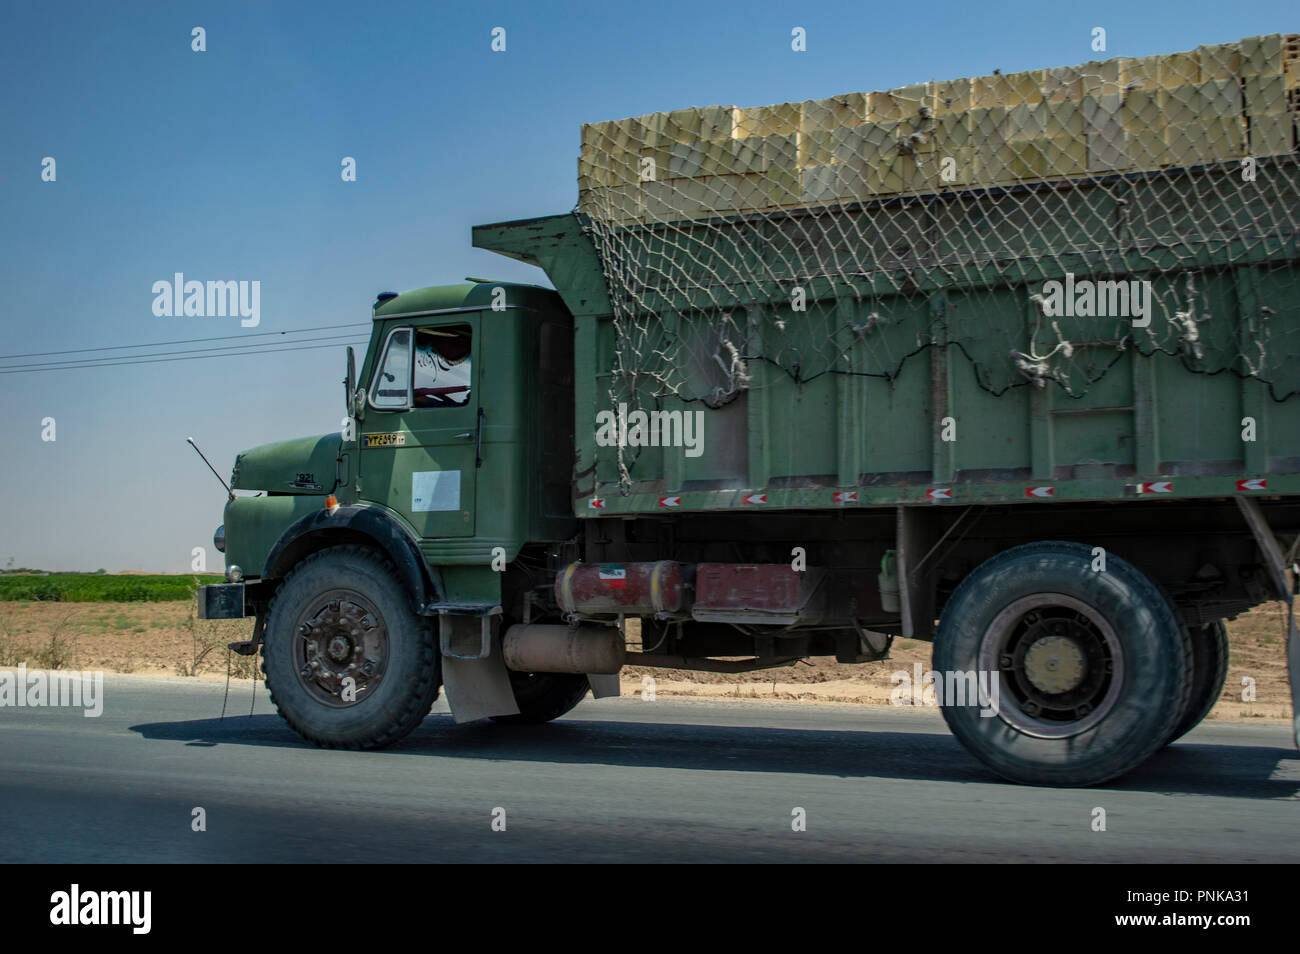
pixel 348 664
pixel 543 696
pixel 1209 673
pixel 1087 671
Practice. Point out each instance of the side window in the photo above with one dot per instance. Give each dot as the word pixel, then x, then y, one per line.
pixel 442 367
pixel 389 389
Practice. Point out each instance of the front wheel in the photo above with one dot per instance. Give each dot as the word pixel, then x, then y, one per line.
pixel 348 663
pixel 1087 670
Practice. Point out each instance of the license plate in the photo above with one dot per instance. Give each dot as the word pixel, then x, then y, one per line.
pixel 385 440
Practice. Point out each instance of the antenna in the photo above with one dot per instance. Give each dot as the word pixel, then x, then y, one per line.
pixel 190 441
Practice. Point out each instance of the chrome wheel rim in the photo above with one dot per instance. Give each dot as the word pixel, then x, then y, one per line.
pixel 1059 664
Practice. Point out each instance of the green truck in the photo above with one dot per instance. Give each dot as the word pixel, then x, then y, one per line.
pixel 779 431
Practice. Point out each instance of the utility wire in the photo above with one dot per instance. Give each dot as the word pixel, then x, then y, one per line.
pixel 193 357
pixel 233 349
pixel 160 344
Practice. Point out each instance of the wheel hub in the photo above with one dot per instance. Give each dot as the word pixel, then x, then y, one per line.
pixel 342 651
pixel 1059 664
pixel 1055 664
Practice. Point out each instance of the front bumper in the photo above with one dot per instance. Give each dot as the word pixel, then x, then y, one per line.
pixel 222 601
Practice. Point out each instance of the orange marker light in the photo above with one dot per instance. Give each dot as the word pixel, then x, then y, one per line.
pixel 331 503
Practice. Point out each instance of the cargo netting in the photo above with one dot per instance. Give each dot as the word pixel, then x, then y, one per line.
pixel 847 234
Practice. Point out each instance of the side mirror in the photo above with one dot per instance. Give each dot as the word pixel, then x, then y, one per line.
pixel 354 398
pixel 350 381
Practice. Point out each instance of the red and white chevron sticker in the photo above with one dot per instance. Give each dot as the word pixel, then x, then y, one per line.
pixel 1253 483
pixel 1157 487
pixel 939 493
pixel 1040 491
pixel 596 503
pixel 670 501
pixel 845 496
pixel 754 499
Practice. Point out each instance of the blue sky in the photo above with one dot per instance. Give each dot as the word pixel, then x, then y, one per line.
pixel 225 165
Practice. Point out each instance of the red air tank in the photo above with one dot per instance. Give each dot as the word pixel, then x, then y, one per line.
pixel 623 589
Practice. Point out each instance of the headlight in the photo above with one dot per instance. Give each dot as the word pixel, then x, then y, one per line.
pixel 219 539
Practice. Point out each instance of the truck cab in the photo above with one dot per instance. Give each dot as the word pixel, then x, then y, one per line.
pixel 443 419
pixel 464 388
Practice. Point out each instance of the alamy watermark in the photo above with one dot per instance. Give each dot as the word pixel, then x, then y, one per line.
pixel 951 689
pixel 192 299
pixel 626 428
pixel 76 906
pixel 1085 298
pixel 37 688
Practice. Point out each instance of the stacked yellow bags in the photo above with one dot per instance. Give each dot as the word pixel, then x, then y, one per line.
pixel 1213 104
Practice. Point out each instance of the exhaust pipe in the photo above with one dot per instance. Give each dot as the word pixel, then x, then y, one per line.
pixel 540 647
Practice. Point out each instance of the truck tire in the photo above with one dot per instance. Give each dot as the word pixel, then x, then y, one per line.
pixel 1093 668
pixel 543 696
pixel 341 613
pixel 1209 673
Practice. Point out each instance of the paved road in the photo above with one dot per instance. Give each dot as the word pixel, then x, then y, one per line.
pixel 618 780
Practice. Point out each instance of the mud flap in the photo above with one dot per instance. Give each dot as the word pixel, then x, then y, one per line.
pixel 478 688
pixel 603 687
pixel 1280 575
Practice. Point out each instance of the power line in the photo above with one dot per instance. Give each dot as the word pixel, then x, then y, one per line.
pixel 233 349
pixel 196 357
pixel 161 344
pixel 193 357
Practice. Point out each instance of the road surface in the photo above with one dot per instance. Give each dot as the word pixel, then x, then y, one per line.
pixel 616 780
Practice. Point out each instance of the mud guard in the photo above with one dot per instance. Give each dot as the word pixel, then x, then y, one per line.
pixel 1280 576
pixel 478 688
pixel 603 687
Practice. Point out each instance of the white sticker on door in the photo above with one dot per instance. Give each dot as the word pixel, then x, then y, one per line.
pixel 435 490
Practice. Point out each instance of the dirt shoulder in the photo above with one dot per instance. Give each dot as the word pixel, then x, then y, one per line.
pixel 166 639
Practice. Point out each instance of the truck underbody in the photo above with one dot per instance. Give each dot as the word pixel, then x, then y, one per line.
pixel 736 593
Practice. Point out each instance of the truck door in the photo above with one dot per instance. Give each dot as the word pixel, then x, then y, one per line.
pixel 419 440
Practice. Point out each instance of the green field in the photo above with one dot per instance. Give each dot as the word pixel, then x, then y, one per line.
pixel 101 587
